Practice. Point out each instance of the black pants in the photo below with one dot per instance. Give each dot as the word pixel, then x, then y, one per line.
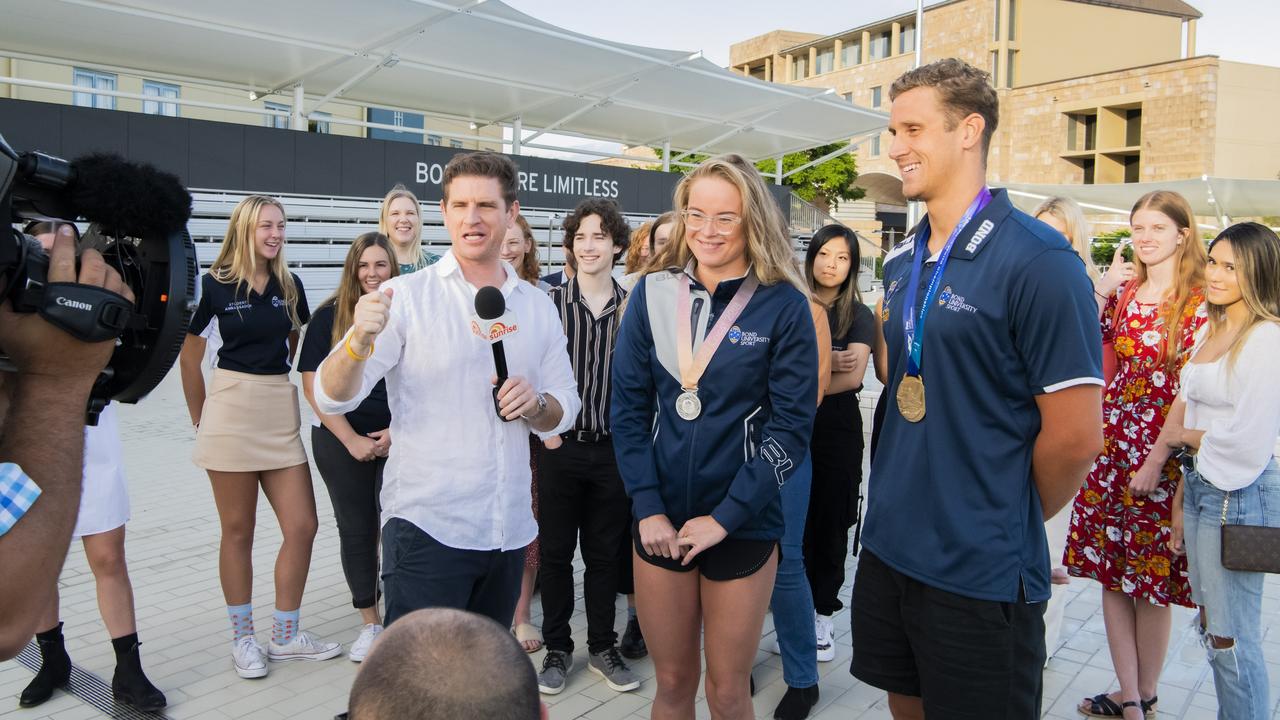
pixel 353 487
pixel 419 572
pixel 580 497
pixel 964 657
pixel 833 508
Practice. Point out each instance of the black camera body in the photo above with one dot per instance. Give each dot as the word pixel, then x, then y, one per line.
pixel 137 218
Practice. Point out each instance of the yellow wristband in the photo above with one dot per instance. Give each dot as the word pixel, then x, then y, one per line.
pixel 352 353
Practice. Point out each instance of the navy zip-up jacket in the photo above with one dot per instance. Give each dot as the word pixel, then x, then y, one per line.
pixel 757 405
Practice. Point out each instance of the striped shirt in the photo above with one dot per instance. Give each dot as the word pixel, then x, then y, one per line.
pixel 591 339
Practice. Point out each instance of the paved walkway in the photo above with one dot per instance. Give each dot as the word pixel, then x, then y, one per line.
pixel 172 550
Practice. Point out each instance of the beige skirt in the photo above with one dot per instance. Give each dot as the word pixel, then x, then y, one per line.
pixel 249 424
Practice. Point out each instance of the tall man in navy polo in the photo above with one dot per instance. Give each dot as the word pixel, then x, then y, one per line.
pixel 993 418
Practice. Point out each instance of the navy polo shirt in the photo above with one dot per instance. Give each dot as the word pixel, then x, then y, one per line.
pixel 254 326
pixel 951 500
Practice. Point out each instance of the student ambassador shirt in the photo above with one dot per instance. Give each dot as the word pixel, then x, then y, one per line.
pixel 456 470
pixel 254 327
pixel 951 500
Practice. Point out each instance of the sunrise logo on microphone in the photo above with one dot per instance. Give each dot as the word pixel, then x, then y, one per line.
pixel 491 331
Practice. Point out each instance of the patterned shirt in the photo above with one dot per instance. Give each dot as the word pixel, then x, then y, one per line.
pixel 590 343
pixel 17 493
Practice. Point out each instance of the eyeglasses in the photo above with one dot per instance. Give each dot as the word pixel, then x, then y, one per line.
pixel 723 224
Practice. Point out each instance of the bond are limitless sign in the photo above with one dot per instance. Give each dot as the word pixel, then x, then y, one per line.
pixel 227 156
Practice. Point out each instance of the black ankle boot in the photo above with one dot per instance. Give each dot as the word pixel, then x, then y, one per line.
pixel 796 703
pixel 130 685
pixel 55 668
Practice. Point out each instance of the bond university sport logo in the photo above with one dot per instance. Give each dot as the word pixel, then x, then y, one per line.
pixel 955 303
pixel 745 338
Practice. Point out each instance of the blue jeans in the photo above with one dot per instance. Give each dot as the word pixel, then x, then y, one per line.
pixel 1232 601
pixel 792 599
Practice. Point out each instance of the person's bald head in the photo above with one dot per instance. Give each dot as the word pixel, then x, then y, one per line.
pixel 444 663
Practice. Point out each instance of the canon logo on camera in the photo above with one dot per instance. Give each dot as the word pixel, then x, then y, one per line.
pixel 73 303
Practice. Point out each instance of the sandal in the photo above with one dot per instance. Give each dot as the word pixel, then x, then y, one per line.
pixel 526 633
pixel 1102 706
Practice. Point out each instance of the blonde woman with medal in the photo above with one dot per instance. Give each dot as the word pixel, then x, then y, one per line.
pixel 993 417
pixel 714 381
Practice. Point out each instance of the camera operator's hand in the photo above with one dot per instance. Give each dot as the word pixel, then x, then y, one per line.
pixel 37 347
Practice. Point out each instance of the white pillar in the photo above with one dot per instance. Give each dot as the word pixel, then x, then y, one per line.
pixel 298 119
pixel 517 129
pixel 777 170
pixel 666 156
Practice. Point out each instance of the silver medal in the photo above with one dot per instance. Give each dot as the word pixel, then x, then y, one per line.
pixel 688 406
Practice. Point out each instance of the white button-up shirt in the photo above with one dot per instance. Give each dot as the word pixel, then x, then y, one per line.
pixel 456 470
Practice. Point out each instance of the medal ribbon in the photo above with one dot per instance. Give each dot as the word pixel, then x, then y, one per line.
pixel 692 367
pixel 915 331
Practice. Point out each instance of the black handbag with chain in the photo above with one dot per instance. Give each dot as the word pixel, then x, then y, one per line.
pixel 1249 548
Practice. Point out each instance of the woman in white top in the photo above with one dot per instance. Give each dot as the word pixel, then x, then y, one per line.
pixel 1224 426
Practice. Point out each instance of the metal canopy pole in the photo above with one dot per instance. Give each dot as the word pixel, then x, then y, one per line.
pixel 777 170
pixel 517 129
pixel 298 118
pixel 666 156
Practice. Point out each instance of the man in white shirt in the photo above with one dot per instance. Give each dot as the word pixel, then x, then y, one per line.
pixel 456 506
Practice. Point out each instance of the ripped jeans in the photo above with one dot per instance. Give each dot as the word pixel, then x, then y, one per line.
pixel 1231 600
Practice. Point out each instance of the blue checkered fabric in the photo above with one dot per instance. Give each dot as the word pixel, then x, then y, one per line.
pixel 17 493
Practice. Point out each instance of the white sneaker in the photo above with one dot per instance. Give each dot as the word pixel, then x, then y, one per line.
pixel 826 633
pixel 249 658
pixel 304 646
pixel 361 646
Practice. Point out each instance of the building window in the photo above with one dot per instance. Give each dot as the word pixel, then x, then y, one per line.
pixel 433 139
pixel 319 123
pixel 907 39
pixel 455 143
pixel 995 35
pixel 851 53
pixel 799 68
pixel 1088 167
pixel 1010 64
pixel 824 61
pixel 399 119
pixel 877 94
pixel 151 88
pixel 1133 127
pixel 93 80
pixel 280 122
pixel 875 146
pixel 1132 168
pixel 880 45
pixel 1013 19
pixel 995 68
pixel 848 96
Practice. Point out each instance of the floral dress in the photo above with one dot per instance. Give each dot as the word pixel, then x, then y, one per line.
pixel 1116 538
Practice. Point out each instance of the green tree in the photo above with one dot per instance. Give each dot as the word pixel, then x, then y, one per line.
pixel 825 184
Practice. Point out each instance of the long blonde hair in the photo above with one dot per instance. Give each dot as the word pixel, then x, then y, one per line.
pixel 1257 259
pixel 384 227
pixel 237 259
pixel 1191 258
pixel 349 291
pixel 1068 212
pixel 768 248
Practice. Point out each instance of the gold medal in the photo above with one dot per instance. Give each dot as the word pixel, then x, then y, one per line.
pixel 911 398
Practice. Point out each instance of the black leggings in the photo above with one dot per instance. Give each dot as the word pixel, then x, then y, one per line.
pixel 354 487
pixel 836 452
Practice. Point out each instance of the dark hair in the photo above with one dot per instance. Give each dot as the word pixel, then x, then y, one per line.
pixel 423 668
pixel 611 221
pixel 349 291
pixel 848 294
pixel 963 89
pixel 484 164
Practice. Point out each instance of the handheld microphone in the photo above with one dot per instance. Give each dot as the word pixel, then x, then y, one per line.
pixel 490 307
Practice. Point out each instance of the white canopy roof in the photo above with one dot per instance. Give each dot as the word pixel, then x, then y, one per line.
pixel 472 59
pixel 1223 198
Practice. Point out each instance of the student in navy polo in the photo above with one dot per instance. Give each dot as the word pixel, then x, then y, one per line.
pixel 993 416
pixel 247 423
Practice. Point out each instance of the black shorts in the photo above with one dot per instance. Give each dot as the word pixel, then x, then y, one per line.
pixel 728 559
pixel 965 658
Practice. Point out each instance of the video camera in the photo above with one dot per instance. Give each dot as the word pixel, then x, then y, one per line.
pixel 138 218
